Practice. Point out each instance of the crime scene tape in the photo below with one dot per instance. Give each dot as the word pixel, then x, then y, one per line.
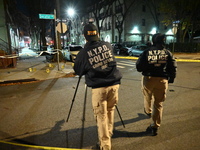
pixel 40 147
pixel 46 52
pixel 187 60
pixel 41 52
pixel 56 51
pixel 126 57
pixel 180 60
pixel 9 56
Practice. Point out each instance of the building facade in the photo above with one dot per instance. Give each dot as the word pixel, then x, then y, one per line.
pixel 9 35
pixel 137 23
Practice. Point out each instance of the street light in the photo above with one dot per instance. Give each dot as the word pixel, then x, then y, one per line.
pixel 71 12
pixel 75 22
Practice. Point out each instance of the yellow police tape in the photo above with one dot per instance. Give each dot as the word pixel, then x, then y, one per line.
pixel 187 60
pixel 40 147
pixel 180 60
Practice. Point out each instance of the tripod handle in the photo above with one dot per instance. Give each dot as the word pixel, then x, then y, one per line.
pixel 120 116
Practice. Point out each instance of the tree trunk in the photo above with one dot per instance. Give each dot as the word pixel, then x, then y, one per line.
pixel 44 44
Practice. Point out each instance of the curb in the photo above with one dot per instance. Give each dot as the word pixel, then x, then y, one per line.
pixel 39 147
pixel 180 60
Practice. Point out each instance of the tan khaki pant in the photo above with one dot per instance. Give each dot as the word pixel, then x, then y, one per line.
pixel 154 88
pixel 104 100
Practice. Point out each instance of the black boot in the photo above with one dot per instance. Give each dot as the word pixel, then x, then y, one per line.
pixel 153 130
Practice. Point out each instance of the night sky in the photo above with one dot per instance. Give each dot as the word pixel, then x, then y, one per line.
pixel 22 7
pixel 78 5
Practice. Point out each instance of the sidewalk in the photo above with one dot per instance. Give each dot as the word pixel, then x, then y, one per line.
pixel 37 69
pixel 189 56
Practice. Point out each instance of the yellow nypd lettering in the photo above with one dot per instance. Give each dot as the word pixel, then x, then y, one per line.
pixel 157 56
pixel 100 56
pixel 91 32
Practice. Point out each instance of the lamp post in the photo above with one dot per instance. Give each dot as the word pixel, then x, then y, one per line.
pixel 70 14
pixel 75 22
pixel 174 30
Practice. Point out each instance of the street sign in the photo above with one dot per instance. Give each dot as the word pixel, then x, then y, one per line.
pixel 174 30
pixel 59 29
pixel 46 16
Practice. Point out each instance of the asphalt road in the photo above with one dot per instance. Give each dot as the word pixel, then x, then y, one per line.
pixel 36 114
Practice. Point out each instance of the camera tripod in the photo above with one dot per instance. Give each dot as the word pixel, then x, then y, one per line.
pixel 84 108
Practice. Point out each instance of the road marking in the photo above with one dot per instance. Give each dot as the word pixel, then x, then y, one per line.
pixel 125 61
pixel 120 66
pixel 124 64
pixel 40 147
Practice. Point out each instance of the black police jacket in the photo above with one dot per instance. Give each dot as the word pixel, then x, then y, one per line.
pixel 97 62
pixel 157 62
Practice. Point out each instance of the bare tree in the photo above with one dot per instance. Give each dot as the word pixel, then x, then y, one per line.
pixel 100 10
pixel 14 18
pixel 153 6
pixel 183 11
pixel 38 25
pixel 122 9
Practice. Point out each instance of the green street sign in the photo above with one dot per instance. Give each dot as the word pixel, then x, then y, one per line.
pixel 46 16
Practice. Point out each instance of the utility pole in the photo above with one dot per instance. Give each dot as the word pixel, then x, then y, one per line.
pixel 57 34
pixel 58 17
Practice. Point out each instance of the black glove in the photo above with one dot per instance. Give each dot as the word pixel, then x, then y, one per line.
pixel 171 80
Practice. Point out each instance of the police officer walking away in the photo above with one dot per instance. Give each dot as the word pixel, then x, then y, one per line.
pixel 158 68
pixel 96 61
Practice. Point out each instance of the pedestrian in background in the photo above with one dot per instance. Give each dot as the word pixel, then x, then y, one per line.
pixel 158 68
pixel 96 61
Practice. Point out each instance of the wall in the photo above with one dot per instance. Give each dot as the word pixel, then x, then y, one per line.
pixel 3 29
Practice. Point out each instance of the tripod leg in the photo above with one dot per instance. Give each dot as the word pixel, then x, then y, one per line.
pixel 73 98
pixel 83 119
pixel 119 115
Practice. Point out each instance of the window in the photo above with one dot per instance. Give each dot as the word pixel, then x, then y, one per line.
pixel 101 16
pixel 118 9
pixel 143 22
pixel 110 11
pixel 143 8
pixel 117 24
pixel 109 25
pixel 116 38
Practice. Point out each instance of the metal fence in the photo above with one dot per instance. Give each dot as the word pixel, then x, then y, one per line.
pixel 184 47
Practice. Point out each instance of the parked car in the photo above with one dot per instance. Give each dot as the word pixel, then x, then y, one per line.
pixel 136 50
pixel 50 48
pixel 70 52
pixel 120 49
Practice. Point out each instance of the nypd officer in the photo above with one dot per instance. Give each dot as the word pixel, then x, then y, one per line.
pixel 158 68
pixel 97 62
